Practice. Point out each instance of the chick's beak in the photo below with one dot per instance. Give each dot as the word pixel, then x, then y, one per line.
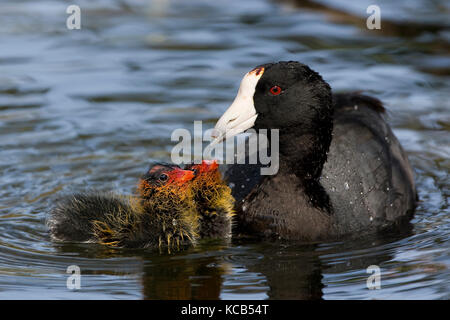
pixel 182 176
pixel 209 165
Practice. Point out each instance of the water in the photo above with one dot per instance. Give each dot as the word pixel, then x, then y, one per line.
pixel 90 108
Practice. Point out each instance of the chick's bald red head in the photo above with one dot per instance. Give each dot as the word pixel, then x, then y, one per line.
pixel 164 179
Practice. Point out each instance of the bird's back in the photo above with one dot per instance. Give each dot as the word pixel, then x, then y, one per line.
pixel 367 174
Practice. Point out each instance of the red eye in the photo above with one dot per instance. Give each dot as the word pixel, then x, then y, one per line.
pixel 275 90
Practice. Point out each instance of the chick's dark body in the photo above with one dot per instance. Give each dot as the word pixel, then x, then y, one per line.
pixel 161 214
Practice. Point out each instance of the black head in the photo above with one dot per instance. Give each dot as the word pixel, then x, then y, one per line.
pixel 290 94
pixel 276 96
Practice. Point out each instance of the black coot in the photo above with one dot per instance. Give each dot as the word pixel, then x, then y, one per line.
pixel 341 169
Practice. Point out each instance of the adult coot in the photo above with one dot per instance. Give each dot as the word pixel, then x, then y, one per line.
pixel 341 169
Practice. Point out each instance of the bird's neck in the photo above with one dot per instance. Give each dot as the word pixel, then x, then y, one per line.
pixel 304 154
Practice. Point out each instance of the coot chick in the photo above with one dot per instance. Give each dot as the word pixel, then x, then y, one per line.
pixel 341 171
pixel 161 215
pixel 213 200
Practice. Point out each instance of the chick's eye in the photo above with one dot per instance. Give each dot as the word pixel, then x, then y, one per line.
pixel 163 177
pixel 275 90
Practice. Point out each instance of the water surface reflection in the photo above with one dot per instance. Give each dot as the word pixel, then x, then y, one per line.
pixel 91 108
